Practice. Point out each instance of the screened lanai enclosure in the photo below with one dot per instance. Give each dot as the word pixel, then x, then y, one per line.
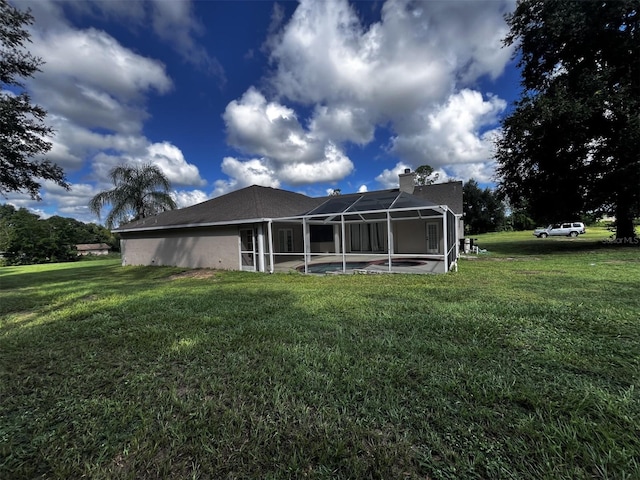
pixel 388 231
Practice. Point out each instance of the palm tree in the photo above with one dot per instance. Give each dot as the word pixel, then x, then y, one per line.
pixel 139 192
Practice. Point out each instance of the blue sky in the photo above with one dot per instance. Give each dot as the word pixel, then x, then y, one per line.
pixel 307 96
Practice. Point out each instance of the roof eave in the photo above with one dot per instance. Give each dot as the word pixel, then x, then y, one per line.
pixel 191 225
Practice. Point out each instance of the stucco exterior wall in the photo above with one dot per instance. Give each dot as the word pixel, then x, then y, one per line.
pixel 193 248
pixel 410 236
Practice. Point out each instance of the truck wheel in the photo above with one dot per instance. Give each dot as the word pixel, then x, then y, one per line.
pixel 543 235
pixel 573 234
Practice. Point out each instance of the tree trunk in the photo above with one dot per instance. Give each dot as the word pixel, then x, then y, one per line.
pixel 624 223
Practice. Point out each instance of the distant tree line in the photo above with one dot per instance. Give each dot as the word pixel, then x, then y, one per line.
pixel 26 239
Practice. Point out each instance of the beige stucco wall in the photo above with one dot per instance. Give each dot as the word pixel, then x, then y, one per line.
pixel 410 236
pixel 193 248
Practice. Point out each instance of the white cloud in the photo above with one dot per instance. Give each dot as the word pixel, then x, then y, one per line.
pixel 286 150
pixel 363 188
pixel 483 172
pixel 413 56
pixel 172 21
pixel 73 203
pixel 96 92
pixel 342 123
pixel 243 174
pixel 93 81
pixel 389 177
pixel 186 198
pixel 164 155
pixel 450 134
pixel 97 61
pixel 334 166
pixel 411 72
pixel 171 160
pixel 267 129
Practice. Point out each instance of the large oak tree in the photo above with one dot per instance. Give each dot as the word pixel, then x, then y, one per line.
pixel 23 133
pixel 572 143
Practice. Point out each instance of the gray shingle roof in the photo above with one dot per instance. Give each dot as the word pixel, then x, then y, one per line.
pixel 250 203
pixel 256 202
pixel 449 194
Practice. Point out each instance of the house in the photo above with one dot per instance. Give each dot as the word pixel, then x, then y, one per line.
pixel 267 230
pixel 93 249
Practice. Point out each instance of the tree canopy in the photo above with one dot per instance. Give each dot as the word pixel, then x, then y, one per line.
pixel 25 238
pixel 139 192
pixel 483 210
pixel 571 145
pixel 23 132
pixel 425 175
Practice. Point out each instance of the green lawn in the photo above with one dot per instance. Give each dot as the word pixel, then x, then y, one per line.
pixel 525 364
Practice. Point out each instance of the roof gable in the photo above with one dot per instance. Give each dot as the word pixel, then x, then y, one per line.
pixel 448 193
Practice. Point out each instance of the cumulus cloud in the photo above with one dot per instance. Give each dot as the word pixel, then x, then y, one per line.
pixel 451 133
pixel 341 123
pixel 413 72
pixel 285 149
pixel 243 174
pixel 174 22
pixel 166 156
pixel 96 92
pixel 389 177
pixel 186 198
pixel 483 172
pixel 92 80
pixel 95 59
pixel 411 57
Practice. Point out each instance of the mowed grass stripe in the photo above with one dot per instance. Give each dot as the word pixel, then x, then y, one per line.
pixel 516 366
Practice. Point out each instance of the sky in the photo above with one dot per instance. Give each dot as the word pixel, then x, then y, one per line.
pixel 306 96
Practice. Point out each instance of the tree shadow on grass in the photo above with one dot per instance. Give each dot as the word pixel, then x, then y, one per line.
pixel 552 246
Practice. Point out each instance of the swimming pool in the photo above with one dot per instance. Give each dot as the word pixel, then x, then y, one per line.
pixel 328 267
pixel 333 267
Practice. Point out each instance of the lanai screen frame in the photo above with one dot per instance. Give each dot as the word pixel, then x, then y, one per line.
pixel 422 210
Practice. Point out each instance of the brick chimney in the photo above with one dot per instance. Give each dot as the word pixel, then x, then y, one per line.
pixel 407 181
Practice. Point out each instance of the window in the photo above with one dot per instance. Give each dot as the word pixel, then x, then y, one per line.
pixel 321 233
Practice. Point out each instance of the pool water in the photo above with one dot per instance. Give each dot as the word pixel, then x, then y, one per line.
pixel 337 266
pixel 333 267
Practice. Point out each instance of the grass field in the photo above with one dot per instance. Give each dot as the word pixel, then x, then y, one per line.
pixel 525 364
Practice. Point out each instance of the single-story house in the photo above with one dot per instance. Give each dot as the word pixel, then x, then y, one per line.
pixel 409 229
pixel 93 249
